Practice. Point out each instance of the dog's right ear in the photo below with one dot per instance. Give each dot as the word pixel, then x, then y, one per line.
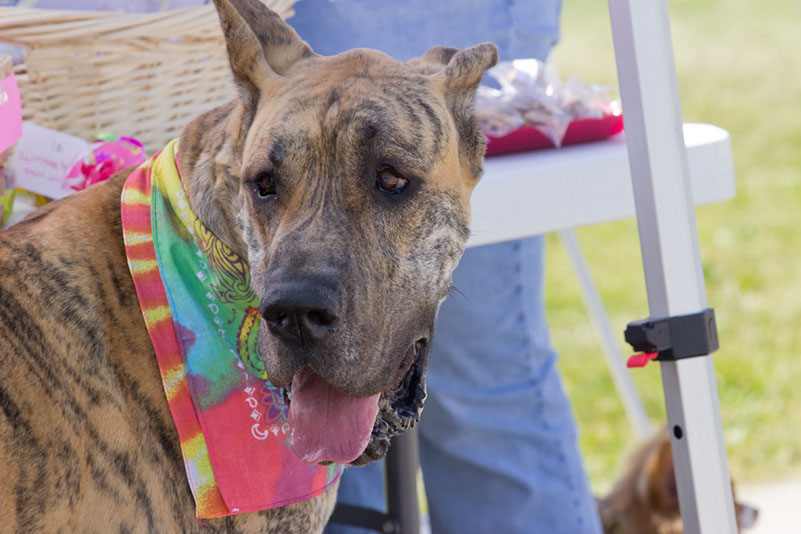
pixel 261 46
pixel 658 485
pixel 457 72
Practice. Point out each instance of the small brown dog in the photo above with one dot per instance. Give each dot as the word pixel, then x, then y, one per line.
pixel 645 500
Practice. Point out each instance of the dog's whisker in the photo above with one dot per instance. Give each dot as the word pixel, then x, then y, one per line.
pixel 456 291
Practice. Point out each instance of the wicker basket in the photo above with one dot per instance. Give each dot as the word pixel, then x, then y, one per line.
pixel 5 66
pixel 140 75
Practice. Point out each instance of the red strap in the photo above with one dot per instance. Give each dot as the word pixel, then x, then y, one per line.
pixel 641 360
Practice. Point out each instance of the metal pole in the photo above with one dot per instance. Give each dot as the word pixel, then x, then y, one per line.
pixel 402 464
pixel 671 256
pixel 614 358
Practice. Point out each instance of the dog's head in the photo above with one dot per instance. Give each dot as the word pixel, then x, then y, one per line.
pixel 646 499
pixel 354 176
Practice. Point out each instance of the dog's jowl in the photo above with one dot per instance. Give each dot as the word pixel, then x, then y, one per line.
pixel 344 182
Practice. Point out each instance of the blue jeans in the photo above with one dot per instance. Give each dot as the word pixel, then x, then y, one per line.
pixel 407 28
pixel 498 442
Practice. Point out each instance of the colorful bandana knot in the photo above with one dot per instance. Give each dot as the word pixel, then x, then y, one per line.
pixel 203 320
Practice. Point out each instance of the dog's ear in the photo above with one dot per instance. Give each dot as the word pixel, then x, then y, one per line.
pixel 461 69
pixel 658 484
pixel 458 72
pixel 261 46
pixel 746 515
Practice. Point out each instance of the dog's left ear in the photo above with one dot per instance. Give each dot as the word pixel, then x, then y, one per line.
pixel 261 46
pixel 460 69
pixel 658 486
pixel 458 73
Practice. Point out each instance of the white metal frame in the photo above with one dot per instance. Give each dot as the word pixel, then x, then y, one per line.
pixel 670 253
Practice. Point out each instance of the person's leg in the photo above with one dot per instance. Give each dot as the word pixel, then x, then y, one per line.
pixel 519 28
pixel 498 438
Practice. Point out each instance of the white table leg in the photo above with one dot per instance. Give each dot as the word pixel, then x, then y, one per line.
pixel 614 357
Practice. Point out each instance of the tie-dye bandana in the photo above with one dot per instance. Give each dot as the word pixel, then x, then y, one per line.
pixel 203 320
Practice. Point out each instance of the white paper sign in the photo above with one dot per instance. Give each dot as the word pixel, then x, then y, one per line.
pixel 42 159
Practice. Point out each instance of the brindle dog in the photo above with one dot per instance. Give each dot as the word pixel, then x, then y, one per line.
pixel 344 181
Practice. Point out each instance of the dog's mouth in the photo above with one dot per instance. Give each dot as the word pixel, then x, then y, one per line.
pixel 329 426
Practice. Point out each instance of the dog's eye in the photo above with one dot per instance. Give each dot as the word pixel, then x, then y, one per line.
pixel 265 185
pixel 388 180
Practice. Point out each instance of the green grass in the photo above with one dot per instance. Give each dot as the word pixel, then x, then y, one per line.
pixel 739 68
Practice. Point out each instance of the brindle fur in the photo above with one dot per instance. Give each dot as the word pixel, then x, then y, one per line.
pixel 87 443
pixel 645 499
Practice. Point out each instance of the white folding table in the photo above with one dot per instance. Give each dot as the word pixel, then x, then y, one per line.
pixel 542 191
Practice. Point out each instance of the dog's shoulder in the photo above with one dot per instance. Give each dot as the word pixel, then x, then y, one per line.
pixel 62 271
pixel 64 282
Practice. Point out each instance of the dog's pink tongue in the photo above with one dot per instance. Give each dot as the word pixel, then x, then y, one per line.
pixel 327 425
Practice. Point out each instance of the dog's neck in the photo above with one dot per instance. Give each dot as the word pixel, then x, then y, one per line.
pixel 208 148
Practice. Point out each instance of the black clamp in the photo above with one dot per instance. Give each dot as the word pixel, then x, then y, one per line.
pixel 672 338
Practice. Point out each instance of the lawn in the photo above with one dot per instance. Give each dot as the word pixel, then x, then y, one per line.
pixel 739 67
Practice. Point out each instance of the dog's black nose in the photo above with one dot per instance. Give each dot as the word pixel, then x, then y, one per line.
pixel 299 315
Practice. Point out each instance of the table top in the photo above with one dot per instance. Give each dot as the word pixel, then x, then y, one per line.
pixel 537 192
